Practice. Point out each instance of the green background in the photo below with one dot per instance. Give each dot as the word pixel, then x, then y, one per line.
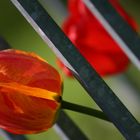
pixel 20 35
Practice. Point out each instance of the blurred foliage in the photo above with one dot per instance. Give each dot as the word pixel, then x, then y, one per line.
pixel 64 1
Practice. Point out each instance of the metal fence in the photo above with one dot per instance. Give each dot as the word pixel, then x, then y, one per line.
pixel 95 86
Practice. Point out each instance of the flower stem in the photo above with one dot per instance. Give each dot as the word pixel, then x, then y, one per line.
pixel 84 110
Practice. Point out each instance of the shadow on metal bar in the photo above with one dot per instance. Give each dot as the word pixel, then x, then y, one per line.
pixel 95 86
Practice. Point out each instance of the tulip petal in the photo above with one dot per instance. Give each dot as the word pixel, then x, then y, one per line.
pixel 93 41
pixel 30 92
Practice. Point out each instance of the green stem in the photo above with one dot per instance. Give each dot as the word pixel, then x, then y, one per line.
pixel 85 110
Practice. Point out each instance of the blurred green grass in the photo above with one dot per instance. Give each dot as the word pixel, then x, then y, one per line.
pixel 20 35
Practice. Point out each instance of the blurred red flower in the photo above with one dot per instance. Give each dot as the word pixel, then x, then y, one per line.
pixel 30 91
pixel 93 41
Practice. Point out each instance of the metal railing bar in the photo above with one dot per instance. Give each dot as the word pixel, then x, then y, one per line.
pixel 10 136
pixel 69 127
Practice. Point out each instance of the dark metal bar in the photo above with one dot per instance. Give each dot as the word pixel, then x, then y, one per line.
pixel 96 87
pixel 3 44
pixel 69 127
pixel 9 136
pixel 117 27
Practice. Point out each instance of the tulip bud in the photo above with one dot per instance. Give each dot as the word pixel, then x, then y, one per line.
pixel 93 41
pixel 30 91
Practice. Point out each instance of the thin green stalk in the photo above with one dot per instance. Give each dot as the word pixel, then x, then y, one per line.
pixel 84 110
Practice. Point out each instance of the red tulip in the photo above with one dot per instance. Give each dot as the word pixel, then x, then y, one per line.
pixel 30 91
pixel 93 41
